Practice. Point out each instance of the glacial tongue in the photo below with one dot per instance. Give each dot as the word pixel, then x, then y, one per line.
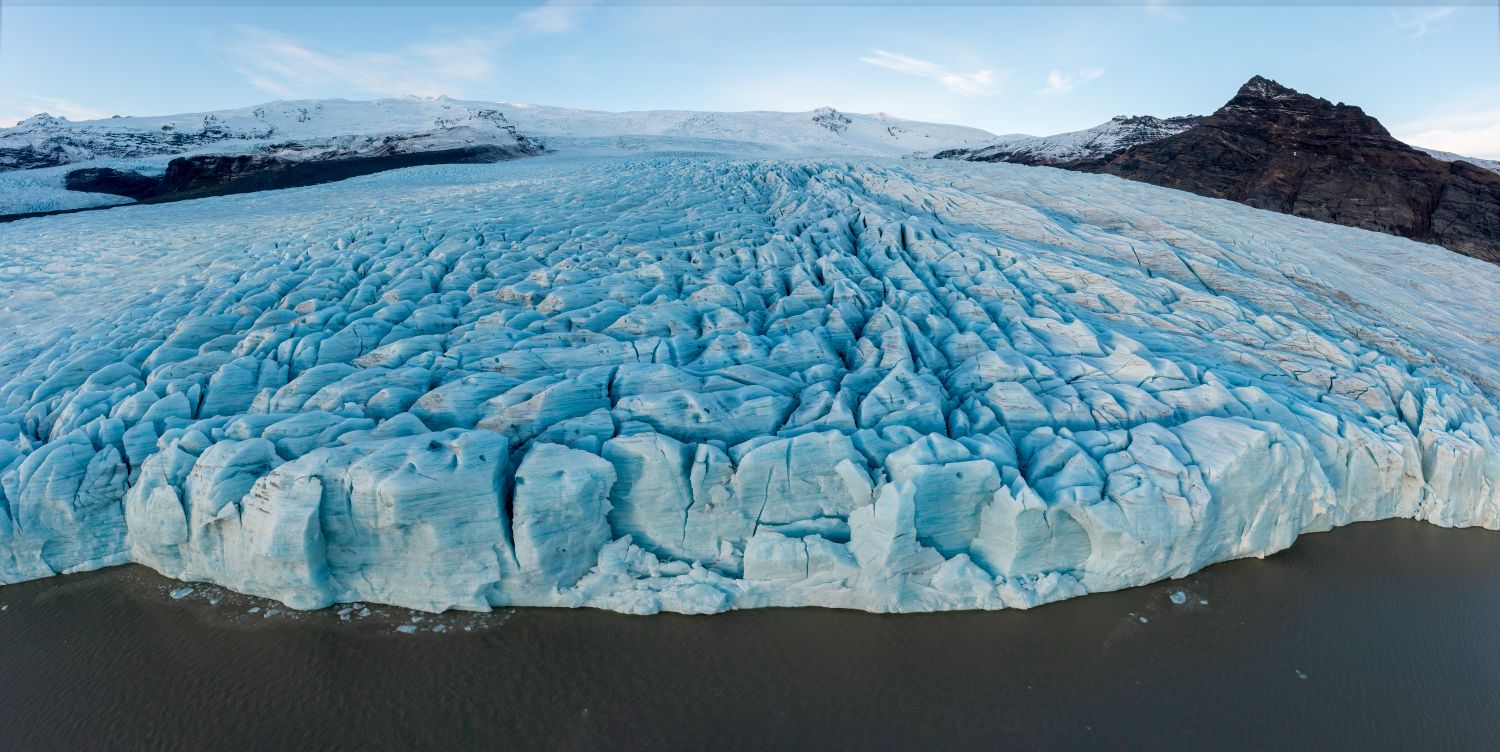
pixel 693 385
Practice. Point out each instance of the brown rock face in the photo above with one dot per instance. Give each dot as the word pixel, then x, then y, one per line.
pixel 1274 148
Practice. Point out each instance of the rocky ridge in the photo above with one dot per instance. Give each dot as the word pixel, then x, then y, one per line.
pixel 1063 149
pixel 1274 148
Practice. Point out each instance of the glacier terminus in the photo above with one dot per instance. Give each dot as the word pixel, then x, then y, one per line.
pixel 693 383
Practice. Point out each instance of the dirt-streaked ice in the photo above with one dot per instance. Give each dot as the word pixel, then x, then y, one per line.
pixel 695 384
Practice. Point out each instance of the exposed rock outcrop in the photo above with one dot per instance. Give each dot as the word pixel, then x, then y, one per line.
pixel 223 174
pixel 1274 148
pixel 115 182
pixel 1064 149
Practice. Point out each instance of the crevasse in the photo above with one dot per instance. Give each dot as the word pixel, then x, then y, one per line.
pixel 697 384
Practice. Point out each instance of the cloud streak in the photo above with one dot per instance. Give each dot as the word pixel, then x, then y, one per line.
pixel 978 84
pixel 286 67
pixel 553 18
pixel 453 64
pixel 1421 23
pixel 1165 10
pixel 1059 83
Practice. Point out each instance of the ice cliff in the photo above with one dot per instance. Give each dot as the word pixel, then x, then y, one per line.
pixel 696 384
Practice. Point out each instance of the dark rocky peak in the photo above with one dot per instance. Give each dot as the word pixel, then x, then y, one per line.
pixel 1130 130
pixel 1151 121
pixel 488 115
pixel 1275 148
pixel 1282 113
pixel 1264 88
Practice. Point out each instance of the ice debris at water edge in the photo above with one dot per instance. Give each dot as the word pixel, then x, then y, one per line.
pixel 698 384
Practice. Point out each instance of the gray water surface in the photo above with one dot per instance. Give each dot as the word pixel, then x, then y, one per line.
pixel 1376 636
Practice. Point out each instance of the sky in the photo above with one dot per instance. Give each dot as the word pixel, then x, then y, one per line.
pixel 1431 74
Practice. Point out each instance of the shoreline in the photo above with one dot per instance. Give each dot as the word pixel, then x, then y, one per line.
pixel 1277 657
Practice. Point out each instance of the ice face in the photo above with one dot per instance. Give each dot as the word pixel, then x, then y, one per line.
pixel 695 384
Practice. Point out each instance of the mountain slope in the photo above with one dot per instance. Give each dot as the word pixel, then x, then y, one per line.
pixel 1274 148
pixel 1447 156
pixel 1121 132
pixel 695 384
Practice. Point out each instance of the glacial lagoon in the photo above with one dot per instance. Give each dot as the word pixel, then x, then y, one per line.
pixel 1376 635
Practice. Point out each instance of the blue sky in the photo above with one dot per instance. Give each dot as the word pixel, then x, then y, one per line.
pixel 1431 74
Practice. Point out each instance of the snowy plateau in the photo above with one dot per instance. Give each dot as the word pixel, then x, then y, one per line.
pixel 37 154
pixel 696 383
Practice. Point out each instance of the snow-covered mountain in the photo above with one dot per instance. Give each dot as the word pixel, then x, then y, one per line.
pixel 1448 156
pixel 1275 148
pixel 821 132
pixel 1121 132
pixel 694 384
pixel 56 164
pixel 37 154
pixel 45 141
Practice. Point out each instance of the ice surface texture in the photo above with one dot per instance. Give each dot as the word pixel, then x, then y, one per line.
pixel 699 384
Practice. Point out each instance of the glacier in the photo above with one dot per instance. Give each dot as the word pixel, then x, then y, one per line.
pixel 37 154
pixel 697 383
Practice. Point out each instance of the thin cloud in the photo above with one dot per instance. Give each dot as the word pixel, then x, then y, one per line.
pixel 1422 22
pixel 557 17
pixel 15 107
pixel 1472 134
pixel 1059 83
pixel 1165 10
pixel 978 84
pixel 285 66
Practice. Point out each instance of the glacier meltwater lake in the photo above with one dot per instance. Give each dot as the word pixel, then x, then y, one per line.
pixel 1391 623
